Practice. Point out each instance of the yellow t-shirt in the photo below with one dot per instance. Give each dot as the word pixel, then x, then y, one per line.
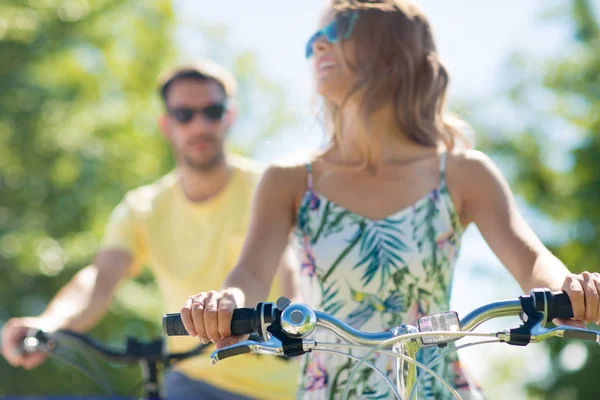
pixel 191 247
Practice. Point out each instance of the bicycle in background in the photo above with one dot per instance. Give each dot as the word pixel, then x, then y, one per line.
pixel 151 356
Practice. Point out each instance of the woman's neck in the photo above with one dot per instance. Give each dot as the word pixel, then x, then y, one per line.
pixel 379 136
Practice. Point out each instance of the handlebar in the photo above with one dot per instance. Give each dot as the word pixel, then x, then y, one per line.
pixel 291 324
pixel 248 320
pixel 134 352
pixel 552 304
pixel 286 329
pixel 147 354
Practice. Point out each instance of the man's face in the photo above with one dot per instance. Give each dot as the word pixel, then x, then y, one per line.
pixel 196 124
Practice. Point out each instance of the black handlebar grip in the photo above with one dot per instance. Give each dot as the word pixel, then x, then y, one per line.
pixel 173 325
pixel 559 306
pixel 244 321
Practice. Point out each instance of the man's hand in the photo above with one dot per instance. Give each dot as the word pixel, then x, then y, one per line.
pixel 13 333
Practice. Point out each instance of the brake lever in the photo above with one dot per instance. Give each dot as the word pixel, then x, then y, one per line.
pixel 273 346
pixel 539 333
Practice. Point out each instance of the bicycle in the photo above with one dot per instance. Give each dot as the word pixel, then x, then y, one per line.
pixel 285 329
pixel 150 355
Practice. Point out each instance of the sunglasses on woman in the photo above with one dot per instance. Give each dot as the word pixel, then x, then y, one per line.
pixel 184 115
pixel 341 27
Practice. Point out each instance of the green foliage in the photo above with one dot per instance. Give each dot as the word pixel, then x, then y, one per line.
pixel 78 110
pixel 77 80
pixel 565 128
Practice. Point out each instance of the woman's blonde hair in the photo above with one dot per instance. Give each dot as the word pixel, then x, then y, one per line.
pixel 394 61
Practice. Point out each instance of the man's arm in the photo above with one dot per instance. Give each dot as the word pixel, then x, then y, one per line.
pixel 85 299
pixel 78 306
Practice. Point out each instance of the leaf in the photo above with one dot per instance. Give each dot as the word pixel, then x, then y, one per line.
pixel 329 303
pixel 380 251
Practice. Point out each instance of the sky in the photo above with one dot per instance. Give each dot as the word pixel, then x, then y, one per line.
pixel 475 38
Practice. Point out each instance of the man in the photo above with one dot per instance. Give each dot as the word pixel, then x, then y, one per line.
pixel 188 227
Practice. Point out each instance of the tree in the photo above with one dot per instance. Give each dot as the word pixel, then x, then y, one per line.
pixel 78 109
pixel 554 159
pixel 74 78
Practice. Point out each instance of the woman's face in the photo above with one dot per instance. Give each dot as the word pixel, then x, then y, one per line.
pixel 333 78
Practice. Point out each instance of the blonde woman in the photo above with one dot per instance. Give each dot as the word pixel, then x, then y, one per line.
pixel 378 216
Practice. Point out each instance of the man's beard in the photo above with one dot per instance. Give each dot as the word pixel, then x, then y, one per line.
pixel 205 166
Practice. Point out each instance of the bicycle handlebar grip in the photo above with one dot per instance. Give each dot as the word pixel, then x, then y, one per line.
pixel 559 306
pixel 244 321
pixel 173 325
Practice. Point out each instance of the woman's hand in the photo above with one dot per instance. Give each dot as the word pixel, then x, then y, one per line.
pixel 584 291
pixel 208 316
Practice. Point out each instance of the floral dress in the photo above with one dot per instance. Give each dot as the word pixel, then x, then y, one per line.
pixel 376 275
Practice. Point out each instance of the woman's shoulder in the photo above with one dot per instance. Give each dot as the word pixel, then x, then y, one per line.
pixel 286 174
pixel 469 171
pixel 285 183
pixel 291 168
pixel 287 177
pixel 468 162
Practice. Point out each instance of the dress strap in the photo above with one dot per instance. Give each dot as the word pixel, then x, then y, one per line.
pixel 443 168
pixel 309 176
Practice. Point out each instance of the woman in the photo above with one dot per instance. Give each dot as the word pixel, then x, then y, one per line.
pixel 378 216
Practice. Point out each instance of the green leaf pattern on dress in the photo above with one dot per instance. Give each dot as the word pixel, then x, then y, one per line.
pixel 376 275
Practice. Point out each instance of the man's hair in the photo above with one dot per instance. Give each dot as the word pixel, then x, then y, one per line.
pixel 205 71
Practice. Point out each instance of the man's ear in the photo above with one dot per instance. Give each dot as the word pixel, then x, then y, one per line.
pixel 163 124
pixel 231 114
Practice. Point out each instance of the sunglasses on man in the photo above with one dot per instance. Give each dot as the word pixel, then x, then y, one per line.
pixel 212 113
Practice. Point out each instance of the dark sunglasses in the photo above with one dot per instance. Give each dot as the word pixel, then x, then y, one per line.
pixel 340 28
pixel 184 115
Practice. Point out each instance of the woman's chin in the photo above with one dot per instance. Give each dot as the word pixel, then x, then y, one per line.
pixel 330 92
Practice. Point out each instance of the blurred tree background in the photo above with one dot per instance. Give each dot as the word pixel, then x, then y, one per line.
pixel 78 110
pixel 553 159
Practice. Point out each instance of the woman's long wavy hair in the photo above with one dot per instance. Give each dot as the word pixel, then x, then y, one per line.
pixel 394 61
